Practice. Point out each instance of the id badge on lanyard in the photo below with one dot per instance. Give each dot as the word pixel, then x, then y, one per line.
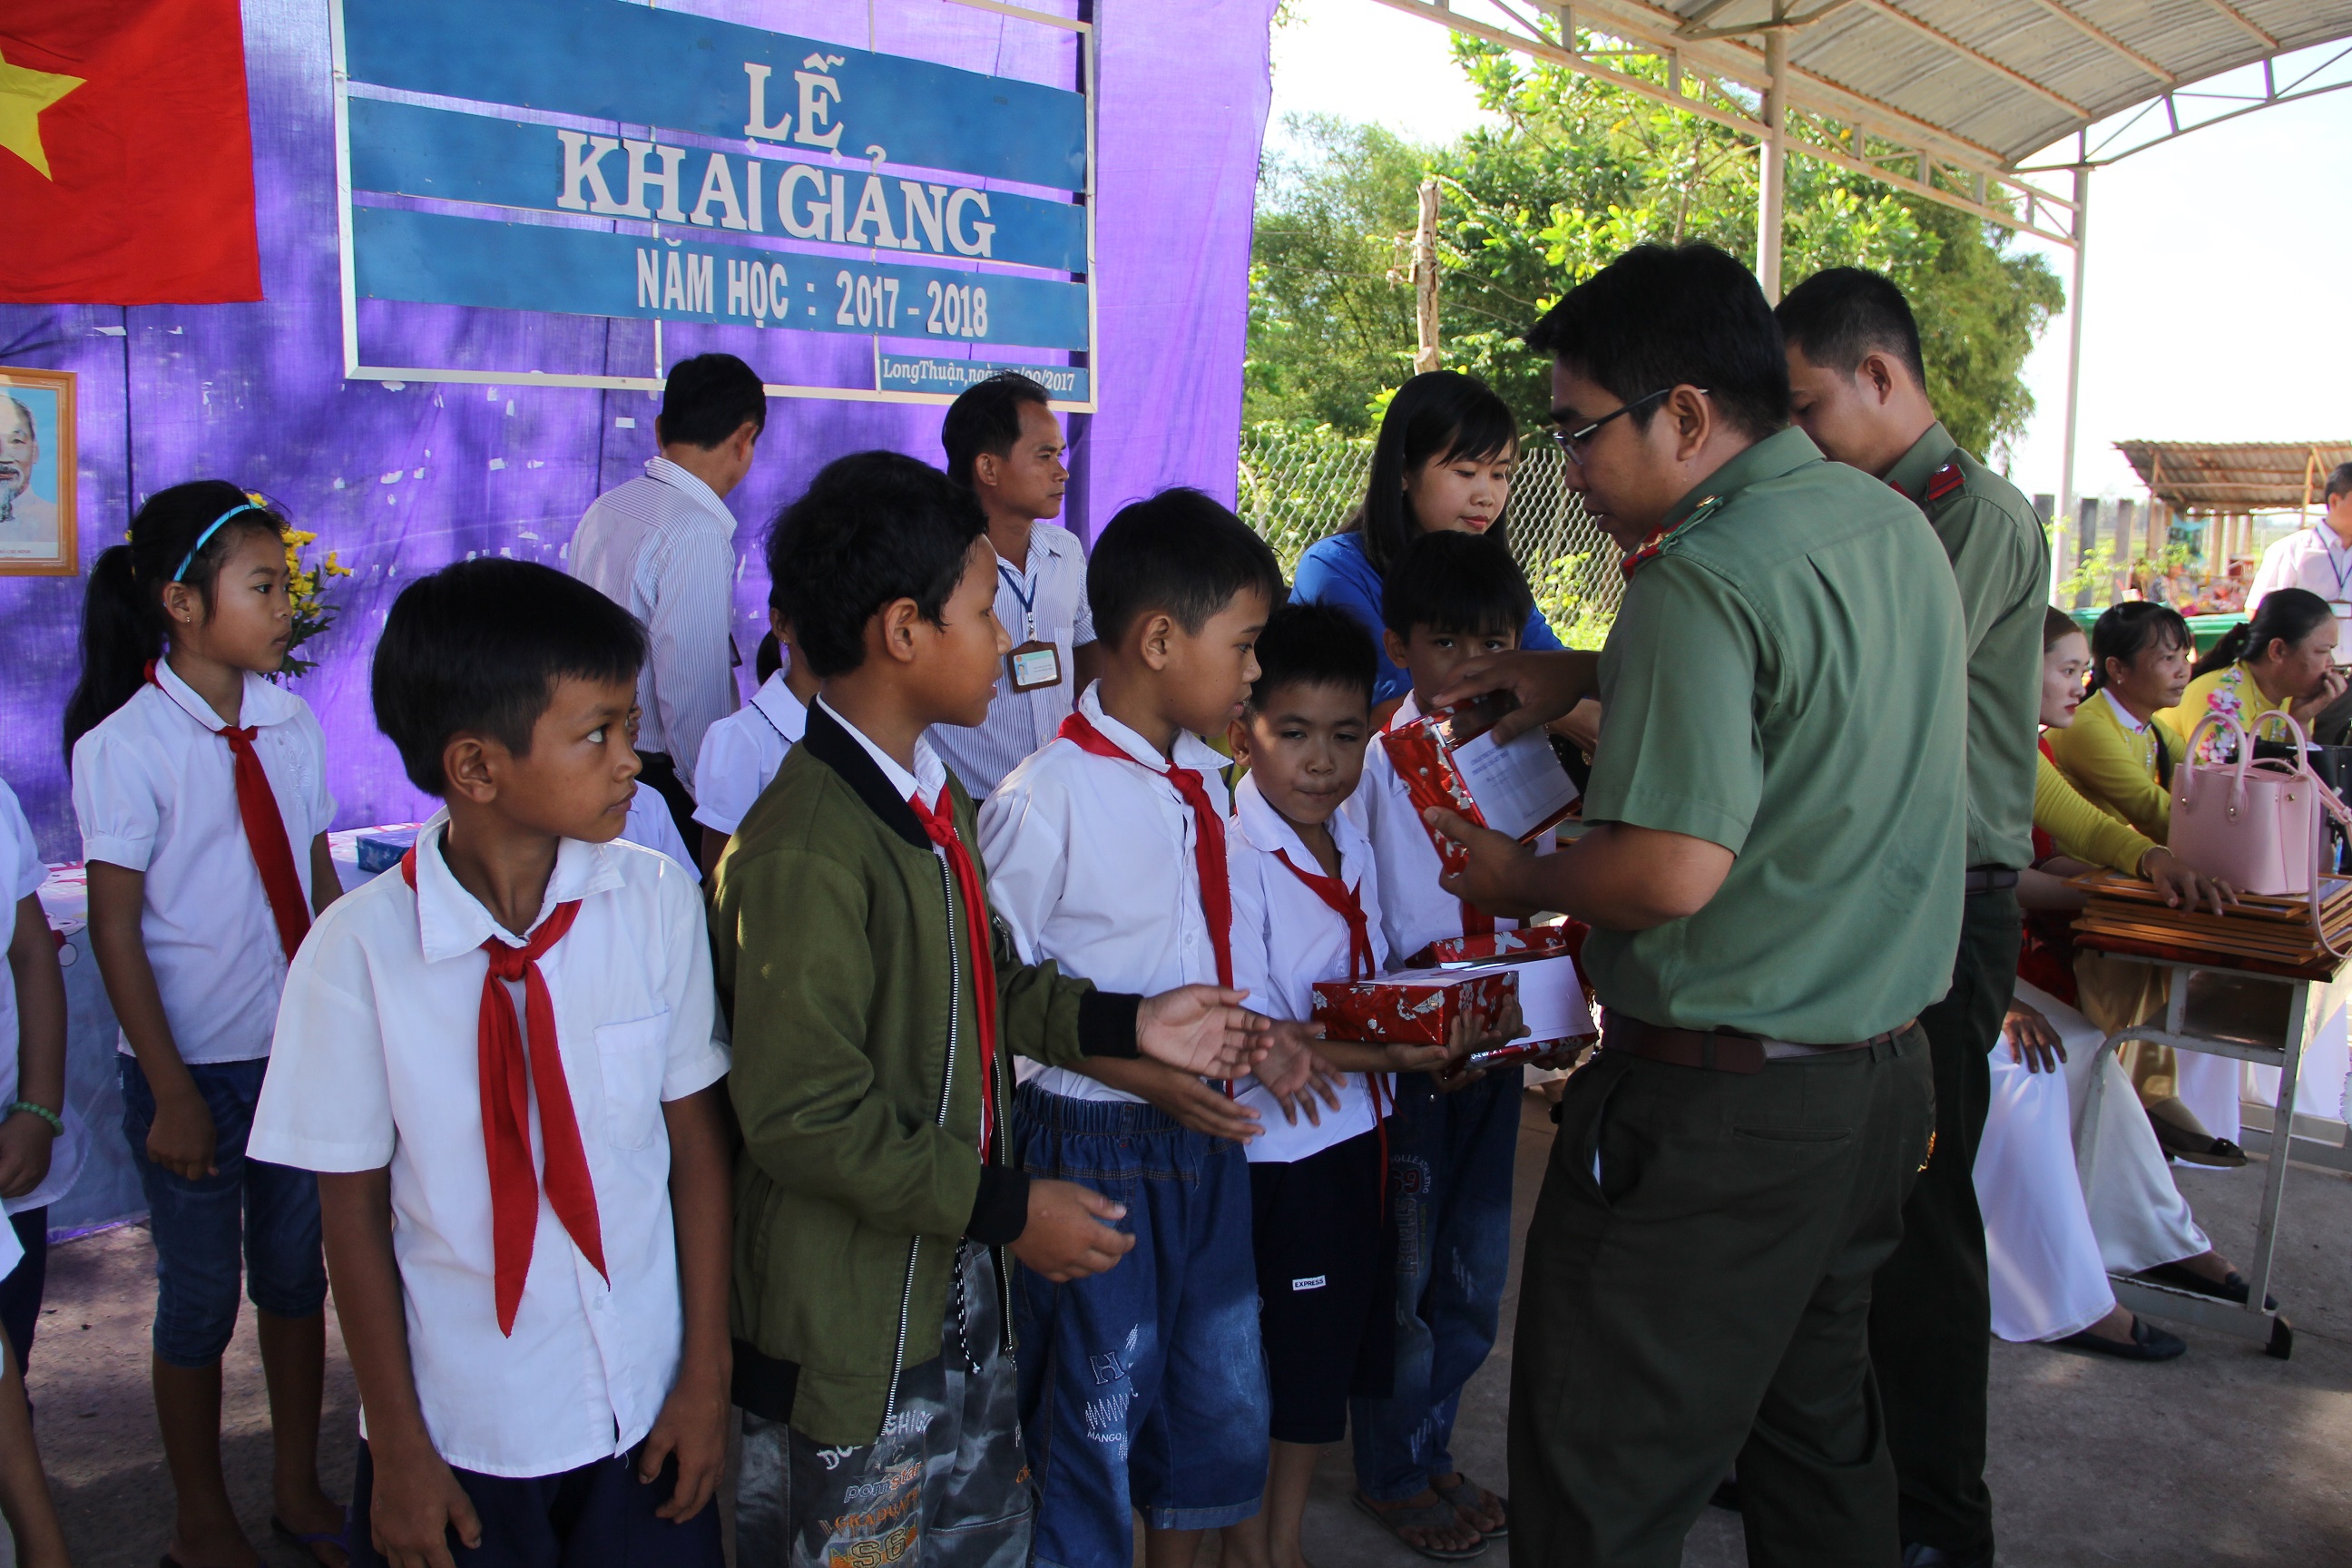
pixel 1033 666
pixel 2340 601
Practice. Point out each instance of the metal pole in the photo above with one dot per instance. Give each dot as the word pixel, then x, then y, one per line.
pixel 2075 336
pixel 1770 186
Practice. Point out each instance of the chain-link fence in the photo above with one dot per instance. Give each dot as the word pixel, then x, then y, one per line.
pixel 1298 485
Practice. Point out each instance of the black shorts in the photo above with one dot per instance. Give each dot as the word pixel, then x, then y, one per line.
pixel 1325 1265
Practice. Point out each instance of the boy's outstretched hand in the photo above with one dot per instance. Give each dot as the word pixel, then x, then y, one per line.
pixel 1069 1235
pixel 1204 1030
pixel 692 1425
pixel 1289 1072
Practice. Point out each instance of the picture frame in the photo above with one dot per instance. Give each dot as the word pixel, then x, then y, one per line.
pixel 38 462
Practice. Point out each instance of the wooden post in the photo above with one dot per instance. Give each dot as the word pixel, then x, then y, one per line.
pixel 1428 355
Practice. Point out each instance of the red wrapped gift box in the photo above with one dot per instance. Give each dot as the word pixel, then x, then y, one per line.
pixel 1503 946
pixel 1413 1009
pixel 1446 762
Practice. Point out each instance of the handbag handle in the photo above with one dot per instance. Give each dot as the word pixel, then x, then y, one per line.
pixel 2184 777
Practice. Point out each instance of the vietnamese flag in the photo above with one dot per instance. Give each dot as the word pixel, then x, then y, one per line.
pixel 126 162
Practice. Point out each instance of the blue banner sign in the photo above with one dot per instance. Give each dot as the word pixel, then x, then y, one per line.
pixel 438 259
pixel 603 59
pixel 406 149
pixel 908 372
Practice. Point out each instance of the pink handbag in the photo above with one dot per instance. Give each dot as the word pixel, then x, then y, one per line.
pixel 2258 824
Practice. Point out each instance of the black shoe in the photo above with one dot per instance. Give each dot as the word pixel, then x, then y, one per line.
pixel 2195 1146
pixel 2149 1342
pixel 1920 1554
pixel 2233 1288
pixel 1727 1495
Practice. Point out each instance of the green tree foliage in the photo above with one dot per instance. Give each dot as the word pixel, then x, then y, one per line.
pixel 1579 170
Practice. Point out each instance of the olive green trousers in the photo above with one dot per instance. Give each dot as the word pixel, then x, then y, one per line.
pixel 1704 1301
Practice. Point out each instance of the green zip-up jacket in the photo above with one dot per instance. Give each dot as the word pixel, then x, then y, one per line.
pixel 842 959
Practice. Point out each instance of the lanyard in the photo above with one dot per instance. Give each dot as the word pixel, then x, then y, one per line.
pixel 2327 542
pixel 1016 581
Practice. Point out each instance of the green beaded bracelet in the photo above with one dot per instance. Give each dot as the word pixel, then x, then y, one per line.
pixel 57 1123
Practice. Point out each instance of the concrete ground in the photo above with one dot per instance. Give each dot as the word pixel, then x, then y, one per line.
pixel 2223 1457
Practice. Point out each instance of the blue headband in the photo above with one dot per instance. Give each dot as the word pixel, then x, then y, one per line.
pixel 206 537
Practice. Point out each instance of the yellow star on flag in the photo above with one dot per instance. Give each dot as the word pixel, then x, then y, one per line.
pixel 24 93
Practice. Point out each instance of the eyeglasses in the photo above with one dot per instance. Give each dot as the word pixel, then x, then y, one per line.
pixel 1577 442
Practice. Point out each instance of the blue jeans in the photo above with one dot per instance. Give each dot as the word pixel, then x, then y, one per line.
pixel 273 1210
pixel 1142 1386
pixel 1450 1165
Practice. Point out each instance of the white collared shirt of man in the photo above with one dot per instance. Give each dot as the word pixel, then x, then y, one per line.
pixel 1285 938
pixel 376 1065
pixel 742 752
pixel 2312 558
pixel 662 547
pixel 154 788
pixel 1044 600
pixel 1090 865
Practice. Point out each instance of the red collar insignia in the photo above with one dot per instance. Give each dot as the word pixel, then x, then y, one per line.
pixel 1946 481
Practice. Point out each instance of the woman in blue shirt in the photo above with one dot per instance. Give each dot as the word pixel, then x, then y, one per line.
pixel 1443 460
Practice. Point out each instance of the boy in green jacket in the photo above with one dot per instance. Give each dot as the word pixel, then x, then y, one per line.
pixel 873 1004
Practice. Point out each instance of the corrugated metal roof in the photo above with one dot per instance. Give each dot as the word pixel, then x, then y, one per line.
pixel 2234 475
pixel 2012 77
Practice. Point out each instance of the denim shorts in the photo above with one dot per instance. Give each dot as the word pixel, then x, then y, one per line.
pixel 1142 1387
pixel 271 1210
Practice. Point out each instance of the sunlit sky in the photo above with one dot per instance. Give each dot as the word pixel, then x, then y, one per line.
pixel 2220 272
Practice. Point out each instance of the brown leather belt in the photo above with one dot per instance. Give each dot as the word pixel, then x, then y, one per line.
pixel 1716 1050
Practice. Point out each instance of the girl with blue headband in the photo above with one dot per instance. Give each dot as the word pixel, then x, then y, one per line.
pixel 201 791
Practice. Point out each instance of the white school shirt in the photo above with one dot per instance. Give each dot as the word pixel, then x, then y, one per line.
pixel 1285 938
pixel 376 1065
pixel 1053 581
pixel 662 547
pixel 155 787
pixel 1414 910
pixel 651 827
pixel 1090 865
pixel 742 752
pixel 21 875
pixel 2311 558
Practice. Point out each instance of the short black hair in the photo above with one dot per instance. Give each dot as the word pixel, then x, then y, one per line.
pixel 1177 552
pixel 1841 313
pixel 1314 645
pixel 1466 584
pixel 1656 318
pixel 707 399
pixel 872 528
pixel 986 417
pixel 2339 480
pixel 480 646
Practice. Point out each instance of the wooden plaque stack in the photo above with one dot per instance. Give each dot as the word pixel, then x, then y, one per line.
pixel 2264 935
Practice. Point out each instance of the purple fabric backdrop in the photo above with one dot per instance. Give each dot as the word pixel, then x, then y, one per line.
pixel 405 478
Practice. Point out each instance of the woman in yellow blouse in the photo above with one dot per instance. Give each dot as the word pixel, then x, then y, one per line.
pixel 2283 658
pixel 2115 752
pixel 2118 758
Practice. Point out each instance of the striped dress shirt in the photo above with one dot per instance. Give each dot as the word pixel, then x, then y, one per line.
pixel 663 548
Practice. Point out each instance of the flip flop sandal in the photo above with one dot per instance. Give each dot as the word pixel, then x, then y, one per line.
pixel 307 1542
pixel 1465 1494
pixel 1431 1517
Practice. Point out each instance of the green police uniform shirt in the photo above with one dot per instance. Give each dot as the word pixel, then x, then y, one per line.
pixel 2001 558
pixel 1786 678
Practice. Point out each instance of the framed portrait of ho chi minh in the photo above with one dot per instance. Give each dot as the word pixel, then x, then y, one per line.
pixel 36 473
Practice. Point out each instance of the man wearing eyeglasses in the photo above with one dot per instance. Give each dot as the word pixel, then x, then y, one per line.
pixel 1773 878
